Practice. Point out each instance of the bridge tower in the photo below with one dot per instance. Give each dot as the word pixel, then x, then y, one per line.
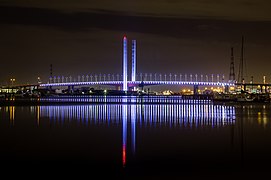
pixel 133 60
pixel 125 54
pixel 232 72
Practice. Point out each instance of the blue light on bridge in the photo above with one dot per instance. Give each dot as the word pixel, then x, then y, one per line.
pixel 122 80
pixel 139 82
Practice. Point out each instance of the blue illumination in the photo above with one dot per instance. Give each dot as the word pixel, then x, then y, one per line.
pixel 133 127
pixel 133 60
pixel 137 83
pixel 124 85
pixel 124 133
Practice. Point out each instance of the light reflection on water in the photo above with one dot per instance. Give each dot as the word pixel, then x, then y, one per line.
pixel 240 121
pixel 183 115
pixel 125 99
pixel 131 116
pixel 186 115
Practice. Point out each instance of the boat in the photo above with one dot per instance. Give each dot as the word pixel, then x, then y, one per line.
pixel 224 97
pixel 242 97
pixel 245 97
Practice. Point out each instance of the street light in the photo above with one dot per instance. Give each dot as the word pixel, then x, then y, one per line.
pixel 39 81
pixel 12 80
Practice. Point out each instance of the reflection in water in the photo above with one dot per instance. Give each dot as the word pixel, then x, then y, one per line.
pixel 124 134
pixel 263 117
pixel 125 99
pixel 141 132
pixel 133 127
pixel 255 114
pixel 38 115
pixel 134 115
pixel 186 115
pixel 11 115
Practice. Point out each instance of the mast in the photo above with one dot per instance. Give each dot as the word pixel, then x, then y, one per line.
pixel 241 65
pixel 232 72
pixel 51 74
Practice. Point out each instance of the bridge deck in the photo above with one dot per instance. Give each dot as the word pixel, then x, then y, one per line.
pixel 137 83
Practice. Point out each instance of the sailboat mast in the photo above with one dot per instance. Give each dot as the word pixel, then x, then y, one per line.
pixel 232 73
pixel 241 65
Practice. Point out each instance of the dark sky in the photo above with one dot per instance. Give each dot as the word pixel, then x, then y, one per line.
pixel 173 36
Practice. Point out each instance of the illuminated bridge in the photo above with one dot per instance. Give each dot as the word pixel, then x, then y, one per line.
pixel 122 82
pixel 136 83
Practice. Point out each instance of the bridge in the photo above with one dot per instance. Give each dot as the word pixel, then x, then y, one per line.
pixel 121 82
pixel 137 83
pixel 135 80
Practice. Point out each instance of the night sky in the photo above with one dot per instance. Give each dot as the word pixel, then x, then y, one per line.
pixel 81 37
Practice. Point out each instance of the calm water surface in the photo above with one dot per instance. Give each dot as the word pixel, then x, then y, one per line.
pixel 134 140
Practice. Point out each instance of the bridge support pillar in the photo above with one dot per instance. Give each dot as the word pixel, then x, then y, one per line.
pixel 227 89
pixel 71 89
pixel 196 89
pixel 245 88
pixel 118 87
pixel 125 54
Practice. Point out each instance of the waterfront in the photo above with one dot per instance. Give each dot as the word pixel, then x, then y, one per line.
pixel 191 139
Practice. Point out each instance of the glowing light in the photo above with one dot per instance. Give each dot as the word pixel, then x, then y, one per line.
pixel 124 85
pixel 124 155
pixel 133 127
pixel 124 133
pixel 259 118
pixel 11 114
pixel 136 83
pixel 38 115
pixel 12 81
pixel 133 60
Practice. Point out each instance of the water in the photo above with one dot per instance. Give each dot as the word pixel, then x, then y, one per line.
pixel 164 141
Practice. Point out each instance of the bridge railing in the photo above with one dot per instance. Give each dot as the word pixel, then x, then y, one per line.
pixel 139 77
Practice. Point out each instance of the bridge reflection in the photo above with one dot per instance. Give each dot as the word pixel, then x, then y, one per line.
pixel 131 117
pixel 185 115
pixel 134 116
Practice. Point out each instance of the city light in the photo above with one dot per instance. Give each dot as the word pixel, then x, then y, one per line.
pixel 12 80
